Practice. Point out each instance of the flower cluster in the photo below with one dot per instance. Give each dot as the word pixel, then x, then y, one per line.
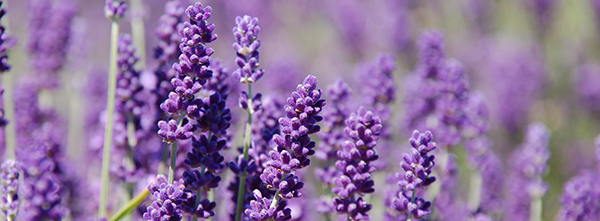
pixel 408 202
pixel 580 198
pixel 246 46
pixel 168 200
pixel 292 148
pixel 438 93
pixel 526 171
pixel 115 9
pixel 4 42
pixel 363 129
pixel 9 188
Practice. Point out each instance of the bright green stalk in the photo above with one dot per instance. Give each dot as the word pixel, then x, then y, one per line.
pixel 247 143
pixel 108 130
pixel 9 108
pixel 138 30
pixel 130 206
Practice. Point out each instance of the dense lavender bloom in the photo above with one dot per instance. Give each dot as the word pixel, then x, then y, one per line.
pixel 517 77
pixel 115 9
pixel 4 42
pixel 354 160
pixel 416 176
pixel 332 135
pixel 292 148
pixel 42 185
pixel 192 70
pixel 437 93
pixel 170 24
pixel 586 77
pixel 49 39
pixel 265 126
pixel 527 168
pixel 168 200
pixel 580 198
pixel 246 46
pixel 9 188
pixel 134 116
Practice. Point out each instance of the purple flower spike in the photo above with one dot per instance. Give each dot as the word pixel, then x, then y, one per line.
pixel 527 168
pixel 580 198
pixel 408 202
pixel 4 42
pixel 292 148
pixel 246 47
pixel 335 116
pixel 9 188
pixel 168 200
pixel 115 9
pixel 363 129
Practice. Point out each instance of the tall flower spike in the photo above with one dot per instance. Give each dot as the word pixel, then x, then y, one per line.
pixel 292 148
pixel 9 188
pixel 580 198
pixel 246 46
pixel 437 93
pixel 408 202
pixel 4 41
pixel 528 166
pixel 354 160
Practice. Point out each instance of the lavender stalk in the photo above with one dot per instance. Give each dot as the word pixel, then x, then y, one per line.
pixel 246 47
pixel 114 11
pixel 10 134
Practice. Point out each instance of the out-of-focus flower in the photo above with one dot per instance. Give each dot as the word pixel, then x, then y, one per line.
pixel 115 9
pixel 4 42
pixel 580 198
pixel 543 13
pixel 586 77
pixel 525 181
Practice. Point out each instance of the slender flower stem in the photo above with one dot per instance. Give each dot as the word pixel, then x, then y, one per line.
pixel 130 206
pixel 475 194
pixel 535 211
pixel 9 108
pixel 138 30
pixel 108 130
pixel 247 143
pixel 172 165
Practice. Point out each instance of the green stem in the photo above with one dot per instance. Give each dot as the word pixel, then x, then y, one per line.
pixel 475 194
pixel 108 130
pixel 138 30
pixel 247 144
pixel 130 206
pixel 9 108
pixel 535 210
pixel 173 163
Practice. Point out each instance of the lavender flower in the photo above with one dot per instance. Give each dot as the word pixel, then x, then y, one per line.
pixel 115 9
pixel 437 93
pixel 291 152
pixel 332 135
pixel 246 46
pixel 50 38
pixel 9 188
pixel 517 77
pixel 264 128
pixel 4 42
pixel 170 24
pixel 408 202
pixel 354 160
pixel 580 198
pixel 528 167
pixel 42 185
pixel 168 200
